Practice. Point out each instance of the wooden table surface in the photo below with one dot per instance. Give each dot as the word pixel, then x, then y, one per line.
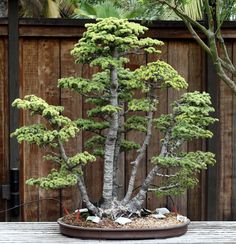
pixel 48 232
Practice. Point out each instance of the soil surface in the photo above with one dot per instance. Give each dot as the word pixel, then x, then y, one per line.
pixel 137 222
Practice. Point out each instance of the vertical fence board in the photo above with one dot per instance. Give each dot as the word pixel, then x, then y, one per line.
pixel 154 147
pixel 195 68
pixel 4 160
pixel 72 103
pixel 225 174
pixel 30 154
pixel 213 144
pixel 178 51
pixel 93 171
pixel 48 74
pixel 234 144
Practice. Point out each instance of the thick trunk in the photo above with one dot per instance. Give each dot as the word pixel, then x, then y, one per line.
pixel 111 140
pixel 116 166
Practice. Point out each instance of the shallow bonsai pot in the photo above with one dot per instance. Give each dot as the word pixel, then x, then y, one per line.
pixel 125 234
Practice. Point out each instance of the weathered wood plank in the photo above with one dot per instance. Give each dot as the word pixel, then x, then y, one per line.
pixel 29 154
pixel 48 232
pixel 4 159
pixel 48 74
pixel 3 30
pixel 72 103
pixel 234 146
pixel 225 173
pixel 213 144
pixel 195 80
pixel 93 171
pixel 153 201
pixel 178 51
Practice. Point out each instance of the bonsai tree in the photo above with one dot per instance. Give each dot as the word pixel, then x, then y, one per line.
pixel 106 44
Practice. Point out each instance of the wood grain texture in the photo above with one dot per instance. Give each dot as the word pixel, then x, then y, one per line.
pixel 196 205
pixel 93 171
pixel 48 232
pixel 4 158
pixel 178 59
pixel 29 154
pixel 154 147
pixel 72 103
pixel 234 145
pixel 48 74
pixel 39 67
pixel 225 164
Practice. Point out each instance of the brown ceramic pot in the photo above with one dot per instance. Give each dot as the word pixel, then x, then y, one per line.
pixel 123 234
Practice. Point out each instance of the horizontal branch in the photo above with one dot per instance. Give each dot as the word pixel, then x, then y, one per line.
pixel 164 188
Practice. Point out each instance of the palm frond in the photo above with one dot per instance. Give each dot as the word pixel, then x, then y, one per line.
pixel 52 9
pixel 194 9
pixel 85 10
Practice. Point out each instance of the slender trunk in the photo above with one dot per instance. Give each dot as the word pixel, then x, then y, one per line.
pixel 137 161
pixel 81 184
pixel 111 140
pixel 136 203
pixel 85 197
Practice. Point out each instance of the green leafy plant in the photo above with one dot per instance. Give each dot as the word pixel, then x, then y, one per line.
pixel 107 44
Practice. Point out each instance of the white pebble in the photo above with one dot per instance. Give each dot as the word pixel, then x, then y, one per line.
pixel 159 216
pixel 162 210
pixel 122 220
pixel 181 218
pixel 94 219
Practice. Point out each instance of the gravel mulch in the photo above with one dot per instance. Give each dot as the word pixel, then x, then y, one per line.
pixel 137 222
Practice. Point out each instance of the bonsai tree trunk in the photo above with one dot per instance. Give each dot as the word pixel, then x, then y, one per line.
pixel 111 140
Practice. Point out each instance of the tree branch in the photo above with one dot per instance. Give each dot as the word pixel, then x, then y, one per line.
pixel 62 151
pixel 197 37
pixel 226 62
pixel 163 188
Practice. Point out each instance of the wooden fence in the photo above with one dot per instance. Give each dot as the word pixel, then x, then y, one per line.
pixel 44 56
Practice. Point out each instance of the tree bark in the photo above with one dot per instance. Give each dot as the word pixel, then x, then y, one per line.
pixel 110 144
pixel 116 157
